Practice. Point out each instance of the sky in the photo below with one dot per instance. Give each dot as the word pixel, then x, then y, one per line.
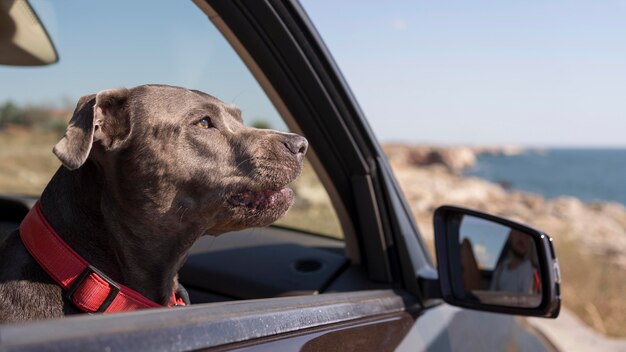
pixel 530 73
pixel 115 43
pixel 487 239
pixel 520 72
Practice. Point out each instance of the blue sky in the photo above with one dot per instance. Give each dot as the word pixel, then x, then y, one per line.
pixel 540 73
pixel 522 72
pixel 487 239
pixel 107 44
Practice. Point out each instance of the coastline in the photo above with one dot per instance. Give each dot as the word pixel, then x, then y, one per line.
pixel 431 176
pixel 589 237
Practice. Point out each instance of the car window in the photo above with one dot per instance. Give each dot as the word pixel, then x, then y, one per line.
pixel 184 49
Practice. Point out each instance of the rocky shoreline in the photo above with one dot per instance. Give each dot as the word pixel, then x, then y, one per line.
pixel 430 177
pixel 454 159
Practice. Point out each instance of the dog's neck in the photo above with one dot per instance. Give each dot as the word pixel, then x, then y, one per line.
pixel 86 217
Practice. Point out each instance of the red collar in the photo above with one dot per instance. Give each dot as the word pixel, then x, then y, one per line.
pixel 88 288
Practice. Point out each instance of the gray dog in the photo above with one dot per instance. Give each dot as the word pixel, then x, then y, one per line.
pixel 146 172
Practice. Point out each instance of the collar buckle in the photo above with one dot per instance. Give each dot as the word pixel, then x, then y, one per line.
pixel 114 287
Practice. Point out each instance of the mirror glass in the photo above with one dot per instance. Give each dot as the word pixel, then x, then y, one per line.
pixel 499 264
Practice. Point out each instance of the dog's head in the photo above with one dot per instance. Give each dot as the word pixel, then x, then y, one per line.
pixel 182 160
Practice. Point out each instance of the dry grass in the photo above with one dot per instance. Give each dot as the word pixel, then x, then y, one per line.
pixel 593 287
pixel 26 161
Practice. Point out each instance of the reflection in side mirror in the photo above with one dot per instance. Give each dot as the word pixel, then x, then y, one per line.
pixel 493 264
pixel 498 264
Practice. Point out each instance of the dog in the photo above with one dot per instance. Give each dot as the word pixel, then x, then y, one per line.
pixel 145 172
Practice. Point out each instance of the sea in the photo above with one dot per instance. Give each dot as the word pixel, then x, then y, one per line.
pixel 592 175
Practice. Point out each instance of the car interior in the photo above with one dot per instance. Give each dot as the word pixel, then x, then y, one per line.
pixel 249 264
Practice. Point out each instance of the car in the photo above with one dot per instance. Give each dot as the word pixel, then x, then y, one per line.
pixel 357 277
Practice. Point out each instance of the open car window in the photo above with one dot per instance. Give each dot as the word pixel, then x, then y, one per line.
pixel 185 49
pixel 300 255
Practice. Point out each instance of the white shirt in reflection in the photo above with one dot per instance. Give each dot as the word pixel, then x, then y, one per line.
pixel 518 279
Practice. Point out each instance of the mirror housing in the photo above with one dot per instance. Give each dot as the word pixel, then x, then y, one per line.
pixel 543 299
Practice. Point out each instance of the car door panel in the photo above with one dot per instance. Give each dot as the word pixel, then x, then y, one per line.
pixel 376 335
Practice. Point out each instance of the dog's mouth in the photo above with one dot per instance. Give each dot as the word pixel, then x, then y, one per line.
pixel 261 199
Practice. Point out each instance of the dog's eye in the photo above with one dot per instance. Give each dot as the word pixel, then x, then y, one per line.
pixel 204 123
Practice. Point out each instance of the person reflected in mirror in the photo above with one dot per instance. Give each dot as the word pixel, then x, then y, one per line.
pixel 515 272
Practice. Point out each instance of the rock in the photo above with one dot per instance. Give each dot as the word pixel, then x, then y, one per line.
pixel 507 150
pixel 455 159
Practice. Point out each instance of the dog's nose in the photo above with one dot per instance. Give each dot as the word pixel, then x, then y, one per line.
pixel 296 144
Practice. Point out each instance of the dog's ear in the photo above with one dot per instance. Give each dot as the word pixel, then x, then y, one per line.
pixel 73 149
pixel 102 117
pixel 111 118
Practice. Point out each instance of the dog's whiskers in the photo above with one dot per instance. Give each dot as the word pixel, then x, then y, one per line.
pixel 182 214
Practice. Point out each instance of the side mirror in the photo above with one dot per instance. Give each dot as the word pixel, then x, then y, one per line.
pixel 493 264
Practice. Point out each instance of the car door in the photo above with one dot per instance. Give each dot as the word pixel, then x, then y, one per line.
pixel 373 300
